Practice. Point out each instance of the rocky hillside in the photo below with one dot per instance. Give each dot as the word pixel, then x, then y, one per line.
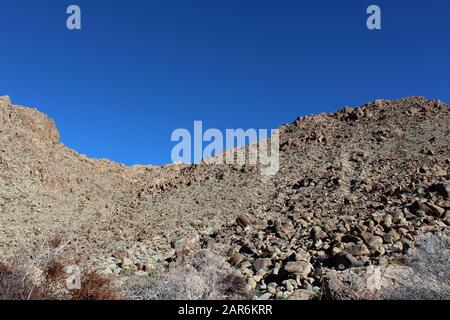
pixel 355 188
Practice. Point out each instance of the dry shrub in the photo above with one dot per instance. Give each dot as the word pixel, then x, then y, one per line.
pixel 43 277
pixel 56 241
pixel 429 261
pixel 422 276
pixel 54 271
pixel 29 275
pixel 431 257
pixel 95 286
pixel 205 277
pixel 232 283
pixel 17 284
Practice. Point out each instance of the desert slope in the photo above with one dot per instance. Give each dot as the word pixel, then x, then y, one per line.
pixel 355 188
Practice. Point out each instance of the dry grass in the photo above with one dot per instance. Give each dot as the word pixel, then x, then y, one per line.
pixel 205 277
pixel 422 276
pixel 430 262
pixel 431 257
pixel 95 286
pixel 43 276
pixel 16 284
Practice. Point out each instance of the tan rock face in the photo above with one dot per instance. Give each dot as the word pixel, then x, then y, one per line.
pixel 4 100
pixel 32 121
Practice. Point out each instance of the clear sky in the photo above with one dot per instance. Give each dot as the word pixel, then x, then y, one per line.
pixel 140 69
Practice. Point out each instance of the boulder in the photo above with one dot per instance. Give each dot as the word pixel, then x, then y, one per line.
pixel 428 207
pixel 391 236
pixel 244 221
pixel 357 249
pixel 299 268
pixel 302 295
pixel 373 242
pixel 262 264
pixel 237 259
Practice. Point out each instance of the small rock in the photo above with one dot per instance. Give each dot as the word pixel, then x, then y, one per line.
pixel 338 247
pixel 257 278
pixel 299 268
pixel 263 285
pixel 387 221
pixel 397 247
pixel 288 285
pixel 265 296
pixel 251 283
pixel 374 242
pixel 357 249
pixel 120 254
pixel 246 264
pixel 428 208
pixel 244 221
pixel 126 262
pixel 272 288
pixel 262 264
pixel 236 259
pixel 279 295
pixel 345 260
pixel 302 294
pixel 391 236
pixel 442 188
pixel 434 210
pixel 318 233
pixel 284 228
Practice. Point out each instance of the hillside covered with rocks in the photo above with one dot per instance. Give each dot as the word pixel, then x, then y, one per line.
pixel 356 190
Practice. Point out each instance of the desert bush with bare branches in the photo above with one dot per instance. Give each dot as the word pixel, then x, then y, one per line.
pixel 43 276
pixel 424 275
pixel 205 277
pixel 431 256
pixel 16 284
pixel 430 262
pixel 96 286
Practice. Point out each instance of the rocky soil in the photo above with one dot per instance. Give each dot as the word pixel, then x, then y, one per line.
pixel 355 190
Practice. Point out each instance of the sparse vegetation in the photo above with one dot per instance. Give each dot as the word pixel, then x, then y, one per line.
pixel 421 276
pixel 45 276
pixel 16 284
pixel 95 286
pixel 430 262
pixel 431 257
pixel 204 277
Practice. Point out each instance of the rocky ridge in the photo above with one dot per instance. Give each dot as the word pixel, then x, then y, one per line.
pixel 356 188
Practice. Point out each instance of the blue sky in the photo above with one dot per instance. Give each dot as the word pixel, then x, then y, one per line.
pixel 140 69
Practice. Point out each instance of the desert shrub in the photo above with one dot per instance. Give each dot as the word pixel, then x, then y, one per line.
pixel 424 275
pixel 42 276
pixel 205 277
pixel 56 241
pixel 29 275
pixel 17 284
pixel 54 271
pixel 95 286
pixel 431 257
pixel 430 262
